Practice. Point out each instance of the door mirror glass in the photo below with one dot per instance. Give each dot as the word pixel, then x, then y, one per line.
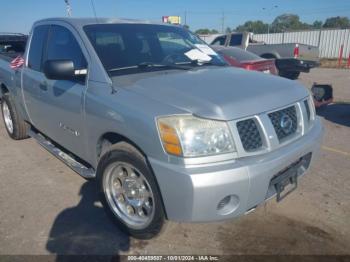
pixel 59 69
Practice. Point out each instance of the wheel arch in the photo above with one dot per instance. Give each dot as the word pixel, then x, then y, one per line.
pixel 113 138
pixel 4 89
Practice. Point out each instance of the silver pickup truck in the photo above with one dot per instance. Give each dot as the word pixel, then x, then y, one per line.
pixel 167 129
pixel 291 58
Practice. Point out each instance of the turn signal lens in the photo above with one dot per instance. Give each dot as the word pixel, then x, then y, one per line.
pixel 170 139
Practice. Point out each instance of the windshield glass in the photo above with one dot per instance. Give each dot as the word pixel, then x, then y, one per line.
pixel 132 46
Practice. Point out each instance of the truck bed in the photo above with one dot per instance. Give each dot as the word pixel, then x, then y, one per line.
pixel 7 74
pixel 306 52
pixel 9 56
pixel 12 45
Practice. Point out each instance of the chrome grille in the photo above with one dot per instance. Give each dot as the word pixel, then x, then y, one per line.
pixel 268 131
pixel 249 134
pixel 285 122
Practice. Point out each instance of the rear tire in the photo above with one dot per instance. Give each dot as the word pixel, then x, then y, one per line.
pixel 15 126
pixel 129 191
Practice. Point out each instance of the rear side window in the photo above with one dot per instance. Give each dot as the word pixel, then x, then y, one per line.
pixel 37 46
pixel 219 40
pixel 236 40
pixel 62 45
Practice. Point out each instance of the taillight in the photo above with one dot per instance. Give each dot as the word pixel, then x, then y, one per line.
pixel 296 51
pixel 267 66
pixel 231 60
pixel 249 67
pixel 274 70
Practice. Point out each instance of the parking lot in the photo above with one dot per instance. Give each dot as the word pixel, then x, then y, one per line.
pixel 46 208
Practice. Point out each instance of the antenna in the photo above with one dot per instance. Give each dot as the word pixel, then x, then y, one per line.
pixel 93 9
pixel 69 8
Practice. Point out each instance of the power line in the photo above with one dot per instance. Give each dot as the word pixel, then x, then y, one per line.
pixel 93 8
pixel 324 12
pixel 242 12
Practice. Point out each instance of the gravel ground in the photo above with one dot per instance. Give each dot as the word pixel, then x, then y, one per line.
pixel 45 208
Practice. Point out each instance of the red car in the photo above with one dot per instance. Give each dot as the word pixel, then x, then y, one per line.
pixel 240 58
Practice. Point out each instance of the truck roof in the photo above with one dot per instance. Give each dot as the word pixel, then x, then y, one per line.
pixel 80 22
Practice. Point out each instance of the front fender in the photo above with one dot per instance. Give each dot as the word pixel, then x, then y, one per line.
pixel 127 114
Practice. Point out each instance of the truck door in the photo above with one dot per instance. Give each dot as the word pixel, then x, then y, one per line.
pixel 33 77
pixel 63 100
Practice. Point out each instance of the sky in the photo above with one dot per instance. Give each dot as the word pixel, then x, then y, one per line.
pixel 18 15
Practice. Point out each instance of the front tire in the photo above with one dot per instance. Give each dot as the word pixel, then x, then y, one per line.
pixel 15 126
pixel 129 191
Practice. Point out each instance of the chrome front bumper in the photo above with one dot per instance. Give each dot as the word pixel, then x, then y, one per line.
pixel 192 193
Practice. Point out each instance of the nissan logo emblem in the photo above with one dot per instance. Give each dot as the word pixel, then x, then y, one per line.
pixel 286 123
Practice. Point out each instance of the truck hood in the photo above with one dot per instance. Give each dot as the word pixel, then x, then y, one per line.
pixel 215 93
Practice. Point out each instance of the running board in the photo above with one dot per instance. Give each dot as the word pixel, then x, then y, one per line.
pixel 81 169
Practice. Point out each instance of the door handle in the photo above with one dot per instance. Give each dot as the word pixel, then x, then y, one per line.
pixel 43 86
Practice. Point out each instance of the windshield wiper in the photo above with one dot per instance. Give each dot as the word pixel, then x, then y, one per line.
pixel 171 66
pixel 206 63
pixel 201 63
pixel 181 65
pixel 146 65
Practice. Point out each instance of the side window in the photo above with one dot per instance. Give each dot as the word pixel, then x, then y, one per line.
pixel 110 48
pixel 63 45
pixel 37 46
pixel 236 40
pixel 219 40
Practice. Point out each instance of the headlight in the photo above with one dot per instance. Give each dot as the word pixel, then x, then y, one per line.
pixel 189 136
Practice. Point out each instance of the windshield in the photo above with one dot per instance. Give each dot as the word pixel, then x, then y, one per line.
pixel 138 46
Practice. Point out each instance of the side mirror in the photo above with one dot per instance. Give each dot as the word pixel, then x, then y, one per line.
pixel 62 70
pixel 59 69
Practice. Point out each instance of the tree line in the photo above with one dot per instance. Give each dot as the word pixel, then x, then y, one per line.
pixel 284 23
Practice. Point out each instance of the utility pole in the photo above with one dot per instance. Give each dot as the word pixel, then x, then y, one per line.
pixel 68 8
pixel 185 17
pixel 268 23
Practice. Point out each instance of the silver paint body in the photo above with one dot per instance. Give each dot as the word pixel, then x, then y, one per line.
pixel 191 187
